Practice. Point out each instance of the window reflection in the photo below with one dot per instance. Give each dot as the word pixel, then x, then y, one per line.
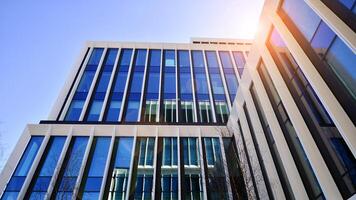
pixel 76 106
pixel 94 108
pixel 119 168
pixel 192 178
pixel 216 181
pixel 93 175
pixel 118 86
pixel 41 180
pixel 70 169
pixel 142 178
pixel 14 186
pixel 134 96
pixel 169 87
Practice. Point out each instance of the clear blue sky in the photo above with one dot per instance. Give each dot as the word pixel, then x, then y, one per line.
pixel 40 40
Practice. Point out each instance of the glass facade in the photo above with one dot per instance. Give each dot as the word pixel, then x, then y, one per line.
pixel 117 91
pixel 68 175
pixel 172 88
pixel 169 107
pixel 152 86
pixel 17 180
pixel 221 108
pixel 45 171
pixel 80 95
pixel 201 88
pixel 98 96
pixel 135 86
pixel 128 167
pixel 334 60
pixel 303 165
pixel 339 159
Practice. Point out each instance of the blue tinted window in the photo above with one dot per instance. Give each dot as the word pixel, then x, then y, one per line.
pixel 303 17
pixel 183 58
pixel 46 169
pixel 169 84
pixel 153 75
pixel 239 61
pixel 225 59
pixel 95 109
pixel 185 83
pixel 85 82
pixel 198 59
pixel 18 178
pixel 111 57
pixel 132 111
pixel 113 111
pixel 155 57
pixel 125 57
pixel 201 84
pixel 211 59
pixel 140 57
pixel 95 56
pixel 120 167
pixel 75 109
pixel 217 84
pixel 71 167
pixel 92 180
pixel 136 83
pixel 169 58
pixel 232 85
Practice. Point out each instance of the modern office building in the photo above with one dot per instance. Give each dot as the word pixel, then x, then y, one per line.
pixel 212 119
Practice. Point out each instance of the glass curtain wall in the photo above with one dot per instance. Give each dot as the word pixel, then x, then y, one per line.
pixel 143 169
pixel 117 90
pixel 239 61
pixel 95 166
pixel 14 186
pixel 191 177
pixel 150 109
pixel 303 165
pixel 221 108
pixel 70 169
pixel 98 96
pixel 76 106
pixel 215 176
pixel 186 103
pixel 336 153
pixel 167 169
pixel 168 110
pixel 201 88
pixel 45 171
pixel 117 182
pixel 134 94
pixel 334 60
pixel 229 72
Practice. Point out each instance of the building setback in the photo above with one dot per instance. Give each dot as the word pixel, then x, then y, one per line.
pixel 212 119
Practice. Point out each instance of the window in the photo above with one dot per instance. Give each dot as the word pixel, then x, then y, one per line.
pixel 187 111
pixel 239 61
pixel 331 56
pixel 99 92
pixel 118 86
pixel 169 168
pixel 70 169
pixel 272 145
pixel 216 185
pixel 117 182
pixel 80 95
pixel 192 169
pixel 134 96
pixel 14 186
pixel 43 175
pixel 315 115
pixel 222 112
pixel 231 80
pixel 151 111
pixel 307 174
pixel 142 181
pixel 205 112
pixel 235 173
pixel 258 152
pixel 169 111
pixel 93 175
